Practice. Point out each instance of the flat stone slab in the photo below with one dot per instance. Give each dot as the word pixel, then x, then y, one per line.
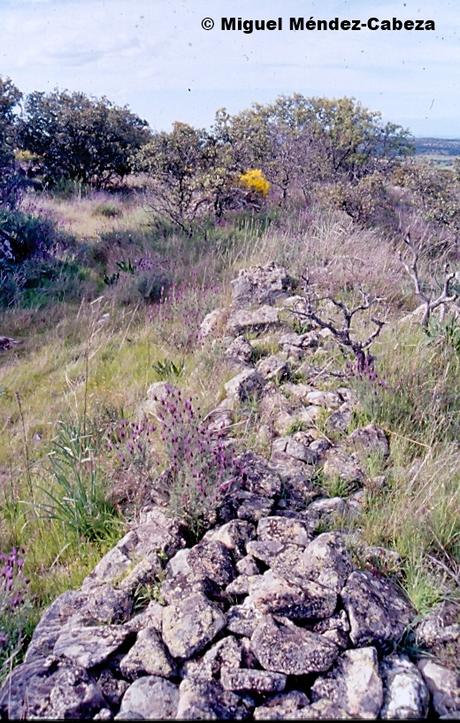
pixel 282 647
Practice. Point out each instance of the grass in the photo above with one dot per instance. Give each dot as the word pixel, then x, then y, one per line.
pixel 89 355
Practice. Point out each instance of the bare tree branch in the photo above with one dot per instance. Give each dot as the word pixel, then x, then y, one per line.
pixel 429 303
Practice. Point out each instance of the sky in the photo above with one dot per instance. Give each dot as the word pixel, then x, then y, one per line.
pixel 154 56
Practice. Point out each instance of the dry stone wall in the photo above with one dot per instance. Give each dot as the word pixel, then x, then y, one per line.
pixel 268 616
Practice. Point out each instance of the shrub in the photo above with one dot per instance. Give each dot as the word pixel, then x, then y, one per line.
pixel 23 236
pixel 255 181
pixel 107 210
pixel 201 466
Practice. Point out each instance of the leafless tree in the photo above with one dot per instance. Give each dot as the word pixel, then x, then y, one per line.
pixel 344 334
pixel 430 302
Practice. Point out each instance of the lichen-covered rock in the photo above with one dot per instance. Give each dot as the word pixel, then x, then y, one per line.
pixel 273 368
pixel 284 706
pixel 226 654
pixel 296 446
pixel 243 619
pixel 336 629
pixel 288 530
pixel 148 656
pixel 405 693
pixel 308 600
pixel 253 681
pixel 282 647
pixel 212 559
pixel 207 700
pixel 354 684
pixel 244 385
pixel 149 698
pixel 260 285
pixel 190 624
pixel 248 565
pixel 370 440
pixel 329 400
pixel 211 324
pixel 378 611
pixel 260 477
pixel 234 535
pixel 88 646
pixel 327 560
pixel 342 464
pixel 240 350
pixel 444 686
pixel 50 689
pixel 439 633
pixel 253 507
pixel 265 550
pixel 245 321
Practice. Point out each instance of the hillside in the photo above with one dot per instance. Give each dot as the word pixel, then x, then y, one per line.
pixel 227 356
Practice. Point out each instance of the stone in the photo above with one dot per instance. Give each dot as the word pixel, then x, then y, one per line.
pixel 240 350
pixel 378 611
pixel 265 550
pixel 157 393
pixel 207 700
pixel 211 324
pixel 444 686
pixel 320 447
pixel 343 465
pixel 273 368
pixel 336 629
pixel 259 477
pixel 297 447
pixel 260 285
pixel 190 624
pixel 88 646
pixel 327 561
pixel 439 633
pixel 112 688
pixel 284 529
pixel 340 420
pixel 226 654
pixel 282 647
pixel 150 698
pixel 245 321
pixel 326 508
pixel 243 619
pixel 253 507
pixel 234 535
pixel 329 400
pixel 253 681
pixel 150 617
pixel 148 656
pixel 239 586
pixel 272 594
pixel 49 689
pixel 66 608
pixel 212 559
pixel 284 706
pixel 370 440
pixel 354 684
pixel 405 693
pixel 248 566
pixel 246 384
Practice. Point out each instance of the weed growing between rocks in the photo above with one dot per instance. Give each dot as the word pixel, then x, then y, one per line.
pixel 201 466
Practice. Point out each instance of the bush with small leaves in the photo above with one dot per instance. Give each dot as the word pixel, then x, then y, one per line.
pixel 202 466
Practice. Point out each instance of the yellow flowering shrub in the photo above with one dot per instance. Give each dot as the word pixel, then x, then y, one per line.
pixel 254 180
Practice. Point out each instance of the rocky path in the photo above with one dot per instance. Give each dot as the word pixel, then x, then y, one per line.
pixel 272 614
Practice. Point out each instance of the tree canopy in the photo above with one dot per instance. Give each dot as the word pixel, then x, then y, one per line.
pixel 79 138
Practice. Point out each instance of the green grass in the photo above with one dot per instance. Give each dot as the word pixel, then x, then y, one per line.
pixel 90 351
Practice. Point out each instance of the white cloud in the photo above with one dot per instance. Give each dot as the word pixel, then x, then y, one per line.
pixel 154 55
